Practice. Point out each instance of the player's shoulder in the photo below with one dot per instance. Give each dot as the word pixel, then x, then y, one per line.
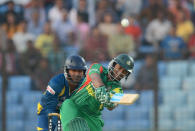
pixel 58 78
pixel 97 66
pixel 57 83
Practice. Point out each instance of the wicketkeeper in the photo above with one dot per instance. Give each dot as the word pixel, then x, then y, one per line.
pixel 59 88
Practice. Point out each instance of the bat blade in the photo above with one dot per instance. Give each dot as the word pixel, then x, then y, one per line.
pixel 124 99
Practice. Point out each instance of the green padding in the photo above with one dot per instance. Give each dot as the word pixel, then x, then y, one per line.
pixel 78 124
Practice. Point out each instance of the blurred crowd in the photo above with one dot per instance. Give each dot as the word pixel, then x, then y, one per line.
pixel 40 34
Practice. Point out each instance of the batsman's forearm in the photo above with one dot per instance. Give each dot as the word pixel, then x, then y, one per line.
pixel 96 80
pixel 101 93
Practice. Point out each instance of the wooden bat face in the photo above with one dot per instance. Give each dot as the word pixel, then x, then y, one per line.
pixel 124 99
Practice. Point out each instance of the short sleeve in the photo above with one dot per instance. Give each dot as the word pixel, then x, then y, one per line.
pixel 57 83
pixel 95 68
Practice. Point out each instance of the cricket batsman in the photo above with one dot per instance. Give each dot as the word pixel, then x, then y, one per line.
pixel 82 112
pixel 59 88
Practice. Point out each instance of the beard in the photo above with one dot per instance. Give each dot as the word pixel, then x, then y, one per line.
pixel 115 77
pixel 75 79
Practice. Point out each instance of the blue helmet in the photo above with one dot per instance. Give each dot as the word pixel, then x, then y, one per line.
pixel 74 62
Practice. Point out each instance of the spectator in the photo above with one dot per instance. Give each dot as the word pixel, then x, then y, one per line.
pixel 189 4
pixel 48 5
pixel 82 11
pixel 72 47
pixel 150 12
pixel 82 31
pixel 120 43
pixel 21 37
pixel 56 12
pixel 173 47
pixel 35 26
pixel 191 46
pixel 45 40
pixel 134 30
pixel 16 10
pixel 185 27
pixel 29 60
pixel 108 27
pixel 42 75
pixel 3 38
pixel 157 29
pixel 96 49
pixel 177 6
pixel 147 77
pixel 63 28
pixel 130 7
pixel 102 8
pixel 35 5
pixel 56 56
pixel 10 26
pixel 11 58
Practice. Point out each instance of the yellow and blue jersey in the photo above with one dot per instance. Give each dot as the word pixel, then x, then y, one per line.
pixel 57 91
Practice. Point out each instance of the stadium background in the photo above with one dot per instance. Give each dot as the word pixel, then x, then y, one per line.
pixel 37 35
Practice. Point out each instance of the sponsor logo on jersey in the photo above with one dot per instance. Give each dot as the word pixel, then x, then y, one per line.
pixel 90 90
pixel 50 90
pixel 94 70
pixel 128 62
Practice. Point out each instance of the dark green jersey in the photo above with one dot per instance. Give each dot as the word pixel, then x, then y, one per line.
pixel 84 97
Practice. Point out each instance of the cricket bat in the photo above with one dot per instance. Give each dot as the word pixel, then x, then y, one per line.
pixel 124 99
